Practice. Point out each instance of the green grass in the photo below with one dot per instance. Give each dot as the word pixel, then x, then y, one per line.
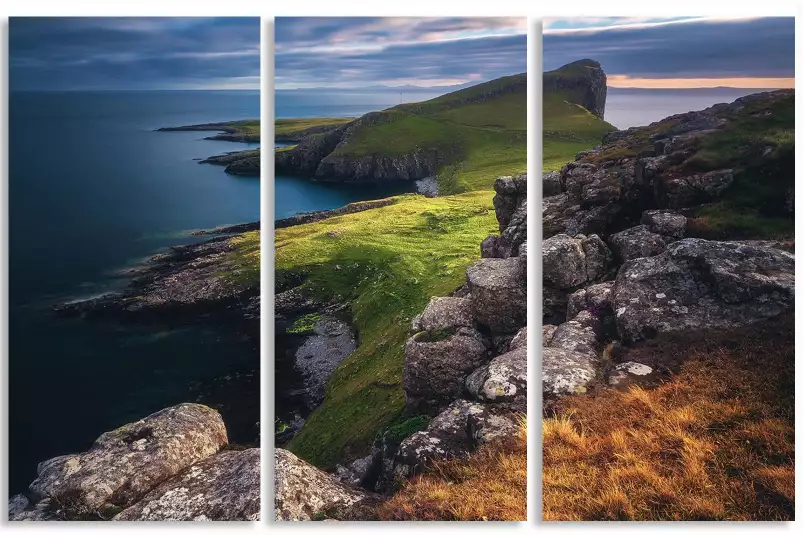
pixel 249 125
pixel 392 260
pixel 286 126
pixel 243 262
pixel 568 129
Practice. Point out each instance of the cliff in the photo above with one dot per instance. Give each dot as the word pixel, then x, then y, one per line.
pixel 582 82
pixel 451 137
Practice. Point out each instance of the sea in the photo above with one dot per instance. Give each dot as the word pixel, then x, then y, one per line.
pixel 638 107
pixel 294 194
pixel 93 190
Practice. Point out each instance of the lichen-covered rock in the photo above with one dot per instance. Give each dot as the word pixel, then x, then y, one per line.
pixel 446 436
pixel 551 184
pixel 580 334
pixel 631 373
pixel 355 473
pixel 446 313
pixel 124 464
pixel 596 298
pixel 598 257
pixel 682 191
pixel 303 492
pixel 554 304
pixel 701 284
pixel 565 372
pixel 636 242
pixel 665 222
pixel 520 340
pixel 498 289
pixel 487 426
pixel 503 380
pixel 547 332
pixel 224 486
pixel 564 262
pixel 20 508
pixel 436 366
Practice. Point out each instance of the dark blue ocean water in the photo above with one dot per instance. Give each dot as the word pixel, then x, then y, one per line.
pixel 297 194
pixel 92 189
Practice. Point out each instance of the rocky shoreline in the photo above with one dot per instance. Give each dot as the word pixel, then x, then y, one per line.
pixel 243 163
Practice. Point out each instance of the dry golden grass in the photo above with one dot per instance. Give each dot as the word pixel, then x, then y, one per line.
pixel 489 485
pixel 714 442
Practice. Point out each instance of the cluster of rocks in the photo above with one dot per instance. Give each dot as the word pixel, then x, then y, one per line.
pixel 172 465
pixel 619 267
pixel 465 367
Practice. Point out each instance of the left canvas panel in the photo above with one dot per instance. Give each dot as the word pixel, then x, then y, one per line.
pixel 134 268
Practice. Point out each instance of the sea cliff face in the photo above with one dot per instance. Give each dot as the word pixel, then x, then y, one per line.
pixel 584 83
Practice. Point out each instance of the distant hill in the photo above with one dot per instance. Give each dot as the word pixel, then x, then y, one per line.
pixel 574 107
pixel 467 138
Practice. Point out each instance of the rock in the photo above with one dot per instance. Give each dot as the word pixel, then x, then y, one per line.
pixel 355 474
pixel 17 505
pixel 303 492
pixel 498 293
pixel 515 233
pixel 566 372
pixel 554 304
pixel 21 509
pixel 125 464
pixel 436 368
pixel 583 81
pixel 682 191
pixel 547 332
pixel 520 340
pixel 486 426
pixel 597 255
pixel 503 380
pixel 447 313
pixel 580 334
pixel 224 486
pixel 551 184
pixel 446 437
pixel 665 222
pixel 596 298
pixel 631 373
pixel 701 284
pixel 489 247
pixel 636 242
pixel 564 262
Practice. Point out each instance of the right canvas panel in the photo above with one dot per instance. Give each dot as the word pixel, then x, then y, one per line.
pixel 668 269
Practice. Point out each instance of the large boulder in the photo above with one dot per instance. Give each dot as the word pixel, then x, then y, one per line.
pixel 580 334
pixel 636 242
pixel 304 492
pixel 551 184
pixel 445 313
pixel 698 283
pixel 502 381
pixel 566 372
pixel 498 289
pixel 596 298
pixel 125 464
pixel 564 262
pixel 222 487
pixel 436 365
pixel 598 257
pixel 665 222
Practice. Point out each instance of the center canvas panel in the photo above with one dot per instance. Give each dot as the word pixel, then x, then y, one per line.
pixel 400 268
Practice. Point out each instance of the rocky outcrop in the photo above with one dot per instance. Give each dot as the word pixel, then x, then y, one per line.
pixel 167 466
pixel 583 82
pixel 303 492
pixel 243 163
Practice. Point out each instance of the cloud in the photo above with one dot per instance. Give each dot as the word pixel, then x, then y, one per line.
pixel 133 53
pixel 702 48
pixel 360 52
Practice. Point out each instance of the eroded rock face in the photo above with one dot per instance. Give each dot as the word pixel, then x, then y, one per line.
pixel 222 487
pixel 503 380
pixel 566 372
pixel 124 464
pixel 636 242
pixel 498 289
pixel 699 283
pixel 303 491
pixel 436 368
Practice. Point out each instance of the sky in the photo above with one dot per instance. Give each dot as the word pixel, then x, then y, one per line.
pixel 680 52
pixel 426 52
pixel 103 53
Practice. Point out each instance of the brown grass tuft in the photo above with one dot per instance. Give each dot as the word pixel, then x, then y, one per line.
pixel 715 441
pixel 489 485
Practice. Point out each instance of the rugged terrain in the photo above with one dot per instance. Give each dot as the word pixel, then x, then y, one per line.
pixel 659 242
pixel 465 138
pixel 245 162
pixel 462 392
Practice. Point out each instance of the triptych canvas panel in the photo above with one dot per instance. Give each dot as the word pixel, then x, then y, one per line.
pixel 384 375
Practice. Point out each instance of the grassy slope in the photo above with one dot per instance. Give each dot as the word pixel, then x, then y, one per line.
pixel 486 139
pixel 713 442
pixel 286 126
pixel 391 261
pixel 249 125
pixel 568 129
